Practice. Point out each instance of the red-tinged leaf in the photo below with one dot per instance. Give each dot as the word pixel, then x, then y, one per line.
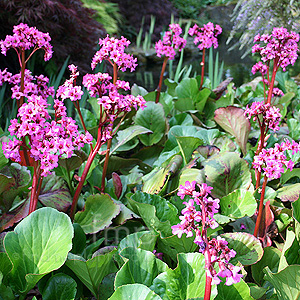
pixel 267 227
pixel 232 119
pixel 9 219
pixel 117 183
pixel 55 193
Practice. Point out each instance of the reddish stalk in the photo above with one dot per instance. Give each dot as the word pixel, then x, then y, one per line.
pixel 208 280
pixel 84 174
pixel 272 80
pixel 202 64
pixel 105 166
pixel 261 205
pixel 35 189
pixel 161 79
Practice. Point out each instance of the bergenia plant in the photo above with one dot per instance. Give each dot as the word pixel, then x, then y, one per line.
pixel 113 104
pixel 166 47
pixel 205 38
pixel 216 251
pixel 280 49
pixel 37 139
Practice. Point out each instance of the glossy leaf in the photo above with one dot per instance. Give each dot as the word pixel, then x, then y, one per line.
pixel 286 282
pixel 92 271
pixel 235 291
pixel 98 213
pixel 124 136
pixel 157 213
pixel 79 239
pixel 141 267
pixel 186 281
pixel 248 248
pixel 238 204
pixel 289 192
pixel 37 246
pixel 226 172
pixel 55 193
pixel 152 118
pixel 134 291
pixel 233 120
pixel 60 287
pixel 270 259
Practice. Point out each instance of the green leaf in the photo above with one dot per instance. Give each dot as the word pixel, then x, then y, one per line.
pixel 235 291
pixel 296 210
pixel 55 193
pixel 233 120
pixel 270 259
pixel 37 246
pixel 286 282
pixel 157 213
pixel 238 204
pixel 188 93
pixel 92 271
pixel 202 98
pixel 128 134
pixel 98 213
pixel 248 248
pixel 6 293
pixel 79 240
pixel 3 159
pixel 226 172
pixel 184 282
pixel 141 267
pixel 142 239
pixel 289 192
pixel 151 117
pixel 187 146
pixel 191 175
pixel 60 287
pixel 181 119
pixel 88 117
pixel 134 291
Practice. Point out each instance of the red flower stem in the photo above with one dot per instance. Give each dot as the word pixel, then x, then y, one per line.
pixel 83 177
pixel 34 189
pixel 161 79
pixel 272 80
pixel 202 64
pixel 208 280
pixel 261 205
pixel 22 77
pixel 115 77
pixel 105 165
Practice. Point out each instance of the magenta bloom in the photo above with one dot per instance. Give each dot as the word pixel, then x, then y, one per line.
pixel 171 41
pixel 205 36
pixel 113 50
pixel 26 37
pixel 280 45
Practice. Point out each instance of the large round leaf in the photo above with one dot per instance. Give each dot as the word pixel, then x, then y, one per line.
pixel 151 117
pixel 60 287
pixel 92 271
pixel 286 282
pixel 98 213
pixel 227 172
pixel 233 120
pixel 235 291
pixel 186 281
pixel 238 204
pixel 141 267
pixel 248 248
pixel 134 291
pixel 270 259
pixel 37 246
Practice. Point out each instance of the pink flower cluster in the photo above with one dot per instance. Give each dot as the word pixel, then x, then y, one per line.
pixel 113 50
pixel 191 221
pixel 273 160
pixel 171 41
pixel 26 37
pixel 280 45
pixel 47 140
pixel 260 67
pixel 69 90
pixel 205 36
pixel 270 115
pixel 33 85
